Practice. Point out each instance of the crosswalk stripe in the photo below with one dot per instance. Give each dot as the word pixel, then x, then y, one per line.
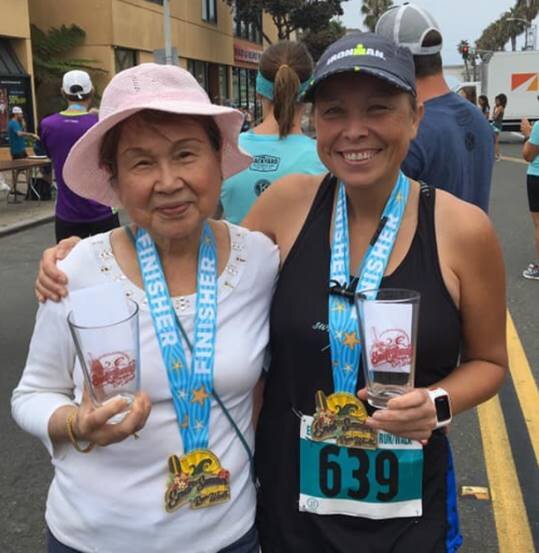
pixel 525 384
pixel 512 526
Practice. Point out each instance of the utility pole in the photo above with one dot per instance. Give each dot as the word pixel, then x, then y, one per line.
pixel 166 32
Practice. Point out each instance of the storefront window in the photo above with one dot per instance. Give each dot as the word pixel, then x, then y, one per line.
pixel 199 70
pixel 251 94
pixel 124 58
pixel 15 90
pixel 244 91
pixel 223 83
pixel 243 88
pixel 235 86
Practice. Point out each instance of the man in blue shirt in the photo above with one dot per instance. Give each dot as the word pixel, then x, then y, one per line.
pixel 454 147
pixel 16 133
pixel 17 142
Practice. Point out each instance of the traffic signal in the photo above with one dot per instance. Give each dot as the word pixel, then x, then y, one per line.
pixel 465 52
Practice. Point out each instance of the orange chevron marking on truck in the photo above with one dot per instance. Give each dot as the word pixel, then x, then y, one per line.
pixel 518 79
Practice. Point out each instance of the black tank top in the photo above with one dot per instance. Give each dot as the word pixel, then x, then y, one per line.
pixel 301 365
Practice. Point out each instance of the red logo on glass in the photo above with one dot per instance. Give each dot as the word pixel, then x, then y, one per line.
pixel 114 369
pixel 392 348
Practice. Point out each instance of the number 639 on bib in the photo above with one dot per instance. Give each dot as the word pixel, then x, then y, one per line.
pixel 382 483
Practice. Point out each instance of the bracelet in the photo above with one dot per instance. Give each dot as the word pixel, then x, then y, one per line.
pixel 71 434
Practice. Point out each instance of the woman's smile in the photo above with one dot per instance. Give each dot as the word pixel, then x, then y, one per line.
pixel 360 156
pixel 173 210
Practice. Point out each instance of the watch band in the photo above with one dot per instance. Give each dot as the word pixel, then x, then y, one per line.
pixel 442 404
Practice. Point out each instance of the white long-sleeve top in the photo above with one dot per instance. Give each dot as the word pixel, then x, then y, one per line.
pixel 112 499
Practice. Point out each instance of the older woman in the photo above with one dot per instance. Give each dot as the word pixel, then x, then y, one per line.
pixel 160 150
pixel 366 113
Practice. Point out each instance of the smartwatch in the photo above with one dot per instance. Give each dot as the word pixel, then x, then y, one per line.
pixel 442 404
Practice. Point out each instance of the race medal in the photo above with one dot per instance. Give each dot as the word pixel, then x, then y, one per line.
pixel 342 416
pixel 380 483
pixel 197 479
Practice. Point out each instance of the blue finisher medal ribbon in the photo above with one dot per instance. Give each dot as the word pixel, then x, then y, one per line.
pixel 196 477
pixel 380 475
pixel 343 325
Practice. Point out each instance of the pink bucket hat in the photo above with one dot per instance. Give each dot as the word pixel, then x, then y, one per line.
pixel 148 86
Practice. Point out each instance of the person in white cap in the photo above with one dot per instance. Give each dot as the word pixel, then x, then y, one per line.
pixel 454 146
pixel 74 215
pixel 17 134
pixel 17 142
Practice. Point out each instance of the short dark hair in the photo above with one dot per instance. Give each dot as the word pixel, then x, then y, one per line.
pixel 75 97
pixel 502 98
pixel 109 145
pixel 429 65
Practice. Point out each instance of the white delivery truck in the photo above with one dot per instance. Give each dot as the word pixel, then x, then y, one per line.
pixel 515 74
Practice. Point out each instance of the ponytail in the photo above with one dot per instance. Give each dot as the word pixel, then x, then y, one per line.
pixel 285 92
pixel 283 67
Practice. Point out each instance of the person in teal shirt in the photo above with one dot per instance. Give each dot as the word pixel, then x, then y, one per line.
pixel 17 134
pixel 530 152
pixel 17 142
pixel 278 145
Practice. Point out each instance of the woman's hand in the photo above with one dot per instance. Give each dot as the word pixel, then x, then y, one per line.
pixel 90 422
pixel 411 415
pixel 51 282
pixel 525 127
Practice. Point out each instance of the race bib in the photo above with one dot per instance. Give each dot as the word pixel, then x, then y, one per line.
pixel 380 483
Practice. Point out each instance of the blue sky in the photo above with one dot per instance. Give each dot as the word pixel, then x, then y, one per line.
pixel 458 19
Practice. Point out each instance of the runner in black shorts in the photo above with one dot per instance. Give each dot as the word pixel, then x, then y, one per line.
pixel 530 152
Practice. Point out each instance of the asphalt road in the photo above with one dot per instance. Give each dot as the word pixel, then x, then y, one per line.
pixel 25 471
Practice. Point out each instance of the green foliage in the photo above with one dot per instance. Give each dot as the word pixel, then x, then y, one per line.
pixel 318 41
pixel 372 10
pixel 50 51
pixel 290 15
pixel 499 32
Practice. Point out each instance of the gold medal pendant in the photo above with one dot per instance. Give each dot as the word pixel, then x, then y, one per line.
pixel 197 479
pixel 341 416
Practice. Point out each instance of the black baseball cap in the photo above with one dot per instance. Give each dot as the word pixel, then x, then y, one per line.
pixel 367 53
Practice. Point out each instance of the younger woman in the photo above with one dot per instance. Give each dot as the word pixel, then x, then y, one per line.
pixel 277 145
pixel 484 106
pixel 497 120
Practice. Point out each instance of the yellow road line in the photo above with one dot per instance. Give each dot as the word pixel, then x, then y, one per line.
pixel 514 159
pixel 512 526
pixel 525 385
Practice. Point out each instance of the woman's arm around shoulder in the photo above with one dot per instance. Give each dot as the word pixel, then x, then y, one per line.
pixel 470 251
pixel 51 283
pixel 281 210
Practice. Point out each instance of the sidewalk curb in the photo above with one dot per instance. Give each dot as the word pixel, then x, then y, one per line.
pixel 18 227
